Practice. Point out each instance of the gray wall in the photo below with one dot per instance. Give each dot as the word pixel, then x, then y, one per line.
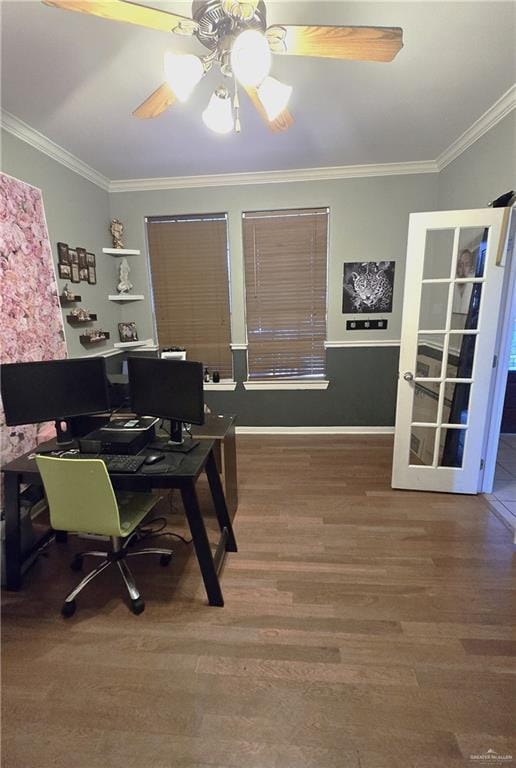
pixel 483 172
pixel 77 213
pixel 362 392
pixel 368 221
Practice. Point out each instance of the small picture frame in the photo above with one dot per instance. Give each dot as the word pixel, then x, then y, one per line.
pixel 90 260
pixel 64 271
pixel 63 253
pixel 127 332
pixel 368 287
pixel 75 277
pixel 81 252
pixel 74 257
pixel 92 275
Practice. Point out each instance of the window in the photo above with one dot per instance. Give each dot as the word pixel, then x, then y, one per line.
pixel 285 255
pixel 189 272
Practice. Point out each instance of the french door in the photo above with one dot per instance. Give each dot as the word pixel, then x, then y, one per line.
pixel 453 289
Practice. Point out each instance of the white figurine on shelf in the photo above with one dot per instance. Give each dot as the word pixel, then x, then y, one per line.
pixel 125 285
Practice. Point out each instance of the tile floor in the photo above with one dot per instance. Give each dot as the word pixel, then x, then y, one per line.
pixel 503 498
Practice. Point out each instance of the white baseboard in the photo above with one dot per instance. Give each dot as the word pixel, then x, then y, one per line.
pixel 335 430
pixel 502 513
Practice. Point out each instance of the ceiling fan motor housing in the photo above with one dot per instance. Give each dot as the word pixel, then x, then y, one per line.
pixel 215 24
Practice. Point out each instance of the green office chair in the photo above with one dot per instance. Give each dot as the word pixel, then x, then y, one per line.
pixel 81 500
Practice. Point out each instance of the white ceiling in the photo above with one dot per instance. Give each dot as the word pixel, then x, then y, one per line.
pixel 77 78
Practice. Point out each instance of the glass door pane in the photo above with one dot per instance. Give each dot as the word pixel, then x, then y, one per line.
pixel 434 306
pixel 438 253
pixel 471 253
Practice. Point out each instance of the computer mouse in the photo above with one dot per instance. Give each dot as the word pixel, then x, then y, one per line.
pixel 153 458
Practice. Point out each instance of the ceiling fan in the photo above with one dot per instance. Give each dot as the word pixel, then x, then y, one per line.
pixel 238 40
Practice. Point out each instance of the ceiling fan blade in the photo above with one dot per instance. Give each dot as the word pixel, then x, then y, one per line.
pixel 162 98
pixel 281 123
pixel 355 43
pixel 118 10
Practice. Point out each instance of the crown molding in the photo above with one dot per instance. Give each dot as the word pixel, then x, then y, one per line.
pixel 485 122
pixel 29 135
pixel 488 120
pixel 274 177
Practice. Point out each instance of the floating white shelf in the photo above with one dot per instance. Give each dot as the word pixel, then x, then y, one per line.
pixel 123 344
pixel 121 251
pixel 126 297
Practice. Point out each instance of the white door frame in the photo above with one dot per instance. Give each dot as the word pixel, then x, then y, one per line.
pixel 503 349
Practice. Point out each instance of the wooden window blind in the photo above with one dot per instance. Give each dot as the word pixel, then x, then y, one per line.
pixel 285 255
pixel 190 283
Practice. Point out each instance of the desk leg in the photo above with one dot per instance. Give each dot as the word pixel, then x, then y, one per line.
pixel 219 501
pixel 12 531
pixel 202 545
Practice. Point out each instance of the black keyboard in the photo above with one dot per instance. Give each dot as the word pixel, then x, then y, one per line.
pixel 122 464
pixel 114 462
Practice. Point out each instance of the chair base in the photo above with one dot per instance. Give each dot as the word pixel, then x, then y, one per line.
pixel 118 556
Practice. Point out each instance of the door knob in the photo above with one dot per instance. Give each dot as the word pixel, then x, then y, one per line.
pixel 408 376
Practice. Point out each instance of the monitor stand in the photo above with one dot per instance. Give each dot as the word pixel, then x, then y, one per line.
pixel 64 432
pixel 177 443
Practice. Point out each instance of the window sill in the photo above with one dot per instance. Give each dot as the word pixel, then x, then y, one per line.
pixel 220 386
pixel 279 385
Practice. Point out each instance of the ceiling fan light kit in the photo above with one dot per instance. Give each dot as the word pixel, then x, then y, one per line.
pixel 218 115
pixel 251 58
pixel 236 35
pixel 274 96
pixel 182 73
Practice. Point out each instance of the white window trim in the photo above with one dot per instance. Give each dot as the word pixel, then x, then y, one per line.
pixel 279 385
pixel 362 343
pixel 220 386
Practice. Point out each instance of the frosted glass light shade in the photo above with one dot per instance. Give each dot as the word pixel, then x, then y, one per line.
pixel 274 96
pixel 182 73
pixel 251 57
pixel 218 115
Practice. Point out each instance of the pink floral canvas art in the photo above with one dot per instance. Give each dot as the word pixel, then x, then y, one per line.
pixel 31 327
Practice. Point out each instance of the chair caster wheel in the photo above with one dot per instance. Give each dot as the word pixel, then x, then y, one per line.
pixel 68 609
pixel 76 564
pixel 165 560
pixel 137 606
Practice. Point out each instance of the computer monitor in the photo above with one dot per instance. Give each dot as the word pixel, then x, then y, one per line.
pixel 54 390
pixel 168 389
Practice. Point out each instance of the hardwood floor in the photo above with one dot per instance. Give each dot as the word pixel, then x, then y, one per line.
pixel 503 498
pixel 363 628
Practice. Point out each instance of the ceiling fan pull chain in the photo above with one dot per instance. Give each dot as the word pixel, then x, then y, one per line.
pixel 236 107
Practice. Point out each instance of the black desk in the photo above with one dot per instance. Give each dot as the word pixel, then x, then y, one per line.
pixel 24 470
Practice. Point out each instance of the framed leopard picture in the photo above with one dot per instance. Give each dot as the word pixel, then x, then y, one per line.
pixel 368 287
